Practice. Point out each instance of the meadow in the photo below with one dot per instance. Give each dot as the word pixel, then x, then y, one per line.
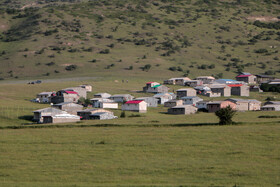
pixel 155 149
pixel 241 155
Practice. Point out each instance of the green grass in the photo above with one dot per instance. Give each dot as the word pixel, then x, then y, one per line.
pixel 243 155
pixel 203 33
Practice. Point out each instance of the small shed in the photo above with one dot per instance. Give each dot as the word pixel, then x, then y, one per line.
pixel 151 101
pixel 186 92
pixel 182 109
pixel 85 114
pixel 173 102
pixel 61 118
pixel 69 107
pixel 163 97
pixel 270 108
pixel 102 116
pixel 202 105
pixel 217 105
pixel 247 77
pixel 45 97
pixel 192 100
pixel 135 106
pixel 102 95
pixel 120 98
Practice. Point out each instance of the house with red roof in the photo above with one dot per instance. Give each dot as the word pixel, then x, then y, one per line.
pixel 247 77
pixel 240 89
pixel 135 106
pixel 65 96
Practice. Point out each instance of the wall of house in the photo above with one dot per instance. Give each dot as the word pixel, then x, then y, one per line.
pixel 242 106
pixel 254 106
pixel 65 120
pixel 109 105
pixel 72 109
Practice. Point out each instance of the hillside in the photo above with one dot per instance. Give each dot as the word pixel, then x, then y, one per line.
pixel 141 38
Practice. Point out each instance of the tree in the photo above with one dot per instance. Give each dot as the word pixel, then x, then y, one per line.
pixel 225 115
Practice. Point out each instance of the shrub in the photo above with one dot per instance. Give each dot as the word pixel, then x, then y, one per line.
pixel 122 114
pixel 71 67
pixel 225 115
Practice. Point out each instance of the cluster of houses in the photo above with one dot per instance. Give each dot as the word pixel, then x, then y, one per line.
pixel 65 105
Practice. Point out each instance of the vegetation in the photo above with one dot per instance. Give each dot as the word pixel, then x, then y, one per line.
pixel 225 115
pixel 204 36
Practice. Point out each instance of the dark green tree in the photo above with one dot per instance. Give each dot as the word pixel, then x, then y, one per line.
pixel 225 115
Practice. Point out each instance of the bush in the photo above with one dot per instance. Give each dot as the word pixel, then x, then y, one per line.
pixel 225 115
pixel 122 114
pixel 71 67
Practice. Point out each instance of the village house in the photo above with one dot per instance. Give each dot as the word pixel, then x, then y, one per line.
pixel 69 107
pixel 247 77
pixel 102 95
pixel 102 116
pixel 246 104
pixel 206 79
pixel 86 114
pixel 82 92
pixel 135 106
pixel 186 92
pixel 44 97
pixel 192 100
pixel 163 97
pixel 272 103
pixel 181 81
pixel 182 109
pixel 173 102
pixel 264 78
pixel 227 81
pixel 151 101
pixel 193 83
pixel 255 88
pixel 202 105
pixel 169 81
pixel 270 108
pixel 87 87
pixel 155 87
pixel 53 115
pixel 217 105
pixel 61 118
pixel 109 105
pixel 240 89
pixel 96 102
pixel 218 90
pixel 121 98
pixel 65 96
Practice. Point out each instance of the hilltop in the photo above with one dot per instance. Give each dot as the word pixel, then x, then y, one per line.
pixel 142 38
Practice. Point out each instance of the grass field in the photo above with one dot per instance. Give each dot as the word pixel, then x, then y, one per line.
pixel 243 155
pixel 155 149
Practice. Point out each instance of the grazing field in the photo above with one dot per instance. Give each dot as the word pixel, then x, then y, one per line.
pixel 16 108
pixel 241 155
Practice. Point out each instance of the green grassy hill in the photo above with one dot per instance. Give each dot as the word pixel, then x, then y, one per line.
pixel 151 38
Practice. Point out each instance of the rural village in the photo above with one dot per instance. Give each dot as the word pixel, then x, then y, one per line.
pixel 66 105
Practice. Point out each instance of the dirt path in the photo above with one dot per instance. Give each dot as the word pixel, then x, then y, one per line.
pixel 48 80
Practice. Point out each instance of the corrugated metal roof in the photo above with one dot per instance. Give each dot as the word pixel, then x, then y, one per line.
pixel 71 92
pixel 239 76
pixel 134 102
pixel 235 85
pixel 156 86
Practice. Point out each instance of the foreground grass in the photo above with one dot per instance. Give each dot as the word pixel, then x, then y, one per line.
pixel 246 155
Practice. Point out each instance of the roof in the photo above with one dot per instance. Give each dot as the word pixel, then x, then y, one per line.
pixel 264 76
pixel 134 102
pixel 239 76
pixel 205 77
pixel 270 106
pixel 121 95
pixel 183 106
pixel 235 85
pixel 217 86
pixel 65 103
pixel 158 85
pixel 172 101
pixel 66 116
pixel 100 113
pixel 45 93
pixel 101 93
pixel 50 109
pixel 191 97
pixel 186 89
pixel 149 82
pixel 71 92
